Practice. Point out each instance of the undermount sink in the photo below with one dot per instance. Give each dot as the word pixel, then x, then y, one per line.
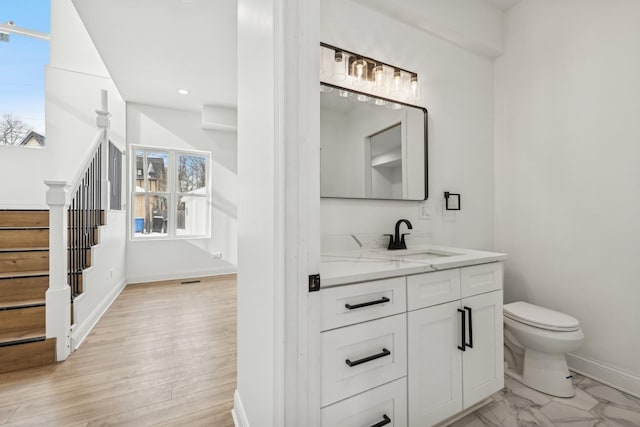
pixel 422 254
pixel 417 254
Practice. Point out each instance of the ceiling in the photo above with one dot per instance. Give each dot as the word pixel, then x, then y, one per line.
pixel 152 48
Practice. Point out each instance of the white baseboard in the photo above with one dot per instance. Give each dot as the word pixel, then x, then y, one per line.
pixel 612 376
pixel 80 332
pixel 238 413
pixel 182 275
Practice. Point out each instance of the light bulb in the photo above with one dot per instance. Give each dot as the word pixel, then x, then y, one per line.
pixel 343 93
pixel 395 106
pixel 363 98
pixel 378 80
pixel 339 69
pixel 415 88
pixel 379 101
pixel 359 71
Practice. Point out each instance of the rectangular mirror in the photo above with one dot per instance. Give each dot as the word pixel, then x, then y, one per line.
pixel 371 148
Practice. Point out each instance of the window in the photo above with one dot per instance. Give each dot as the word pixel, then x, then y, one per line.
pixel 115 177
pixel 24 52
pixel 170 195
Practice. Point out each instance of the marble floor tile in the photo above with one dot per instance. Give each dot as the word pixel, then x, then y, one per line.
pixel 581 400
pixel 471 420
pixel 519 389
pixel 595 405
pixel 563 415
pixel 616 416
pixel 610 395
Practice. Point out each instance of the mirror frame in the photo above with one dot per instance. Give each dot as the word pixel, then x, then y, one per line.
pixel 426 145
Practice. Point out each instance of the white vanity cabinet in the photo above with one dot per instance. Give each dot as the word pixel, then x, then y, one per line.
pixel 392 351
pixel 455 357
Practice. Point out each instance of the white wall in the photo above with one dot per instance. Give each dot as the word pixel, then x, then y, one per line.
pixel 567 171
pixel 457 90
pixel 259 215
pixel 163 259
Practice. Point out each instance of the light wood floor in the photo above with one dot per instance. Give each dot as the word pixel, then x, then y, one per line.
pixel 163 354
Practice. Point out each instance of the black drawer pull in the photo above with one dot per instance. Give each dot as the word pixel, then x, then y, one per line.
pixel 384 353
pixel 367 304
pixel 470 343
pixel 384 422
pixel 464 327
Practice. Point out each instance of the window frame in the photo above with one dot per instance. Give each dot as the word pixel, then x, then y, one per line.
pixel 172 194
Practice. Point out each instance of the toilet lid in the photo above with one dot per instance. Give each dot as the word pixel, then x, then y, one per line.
pixel 540 317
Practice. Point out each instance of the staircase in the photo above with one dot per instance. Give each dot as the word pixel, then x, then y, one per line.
pixel 24 280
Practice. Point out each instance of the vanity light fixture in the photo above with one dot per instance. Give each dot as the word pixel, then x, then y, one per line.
pixel 368 75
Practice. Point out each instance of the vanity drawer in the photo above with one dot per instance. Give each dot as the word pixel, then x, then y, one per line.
pixel 359 357
pixel 387 402
pixel 346 305
pixel 482 278
pixel 424 290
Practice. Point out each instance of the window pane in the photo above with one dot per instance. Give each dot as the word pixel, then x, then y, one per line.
pixel 192 174
pixel 192 216
pixel 22 63
pixel 150 217
pixel 151 171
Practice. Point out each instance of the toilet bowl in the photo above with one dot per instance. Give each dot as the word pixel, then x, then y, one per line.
pixel 536 340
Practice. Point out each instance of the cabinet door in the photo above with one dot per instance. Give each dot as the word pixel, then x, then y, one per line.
pixel 483 364
pixel 435 364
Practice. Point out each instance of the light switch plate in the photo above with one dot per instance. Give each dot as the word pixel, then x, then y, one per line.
pixel 424 210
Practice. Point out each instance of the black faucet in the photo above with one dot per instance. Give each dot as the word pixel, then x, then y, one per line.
pixel 398 242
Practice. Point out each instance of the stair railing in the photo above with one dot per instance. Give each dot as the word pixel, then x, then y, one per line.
pixel 75 210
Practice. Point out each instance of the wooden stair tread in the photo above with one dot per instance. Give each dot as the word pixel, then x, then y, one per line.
pixel 17 274
pixel 40 249
pixel 24 335
pixel 27 355
pixel 8 305
pixel 24 227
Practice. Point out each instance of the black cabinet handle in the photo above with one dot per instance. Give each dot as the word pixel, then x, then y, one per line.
pixel 463 328
pixel 384 353
pixel 386 420
pixel 367 304
pixel 470 343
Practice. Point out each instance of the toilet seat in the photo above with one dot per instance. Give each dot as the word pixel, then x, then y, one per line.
pixel 540 317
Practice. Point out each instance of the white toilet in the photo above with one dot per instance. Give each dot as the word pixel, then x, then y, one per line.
pixel 536 340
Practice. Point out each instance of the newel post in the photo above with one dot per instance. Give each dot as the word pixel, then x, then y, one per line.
pixel 58 297
pixel 103 122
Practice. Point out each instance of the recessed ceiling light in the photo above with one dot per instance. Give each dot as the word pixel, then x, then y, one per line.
pixel 183 92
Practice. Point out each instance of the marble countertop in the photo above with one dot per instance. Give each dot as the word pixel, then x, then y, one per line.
pixel 339 268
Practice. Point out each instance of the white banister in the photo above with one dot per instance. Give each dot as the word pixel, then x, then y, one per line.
pixel 103 122
pixel 77 179
pixel 58 296
pixel 59 198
